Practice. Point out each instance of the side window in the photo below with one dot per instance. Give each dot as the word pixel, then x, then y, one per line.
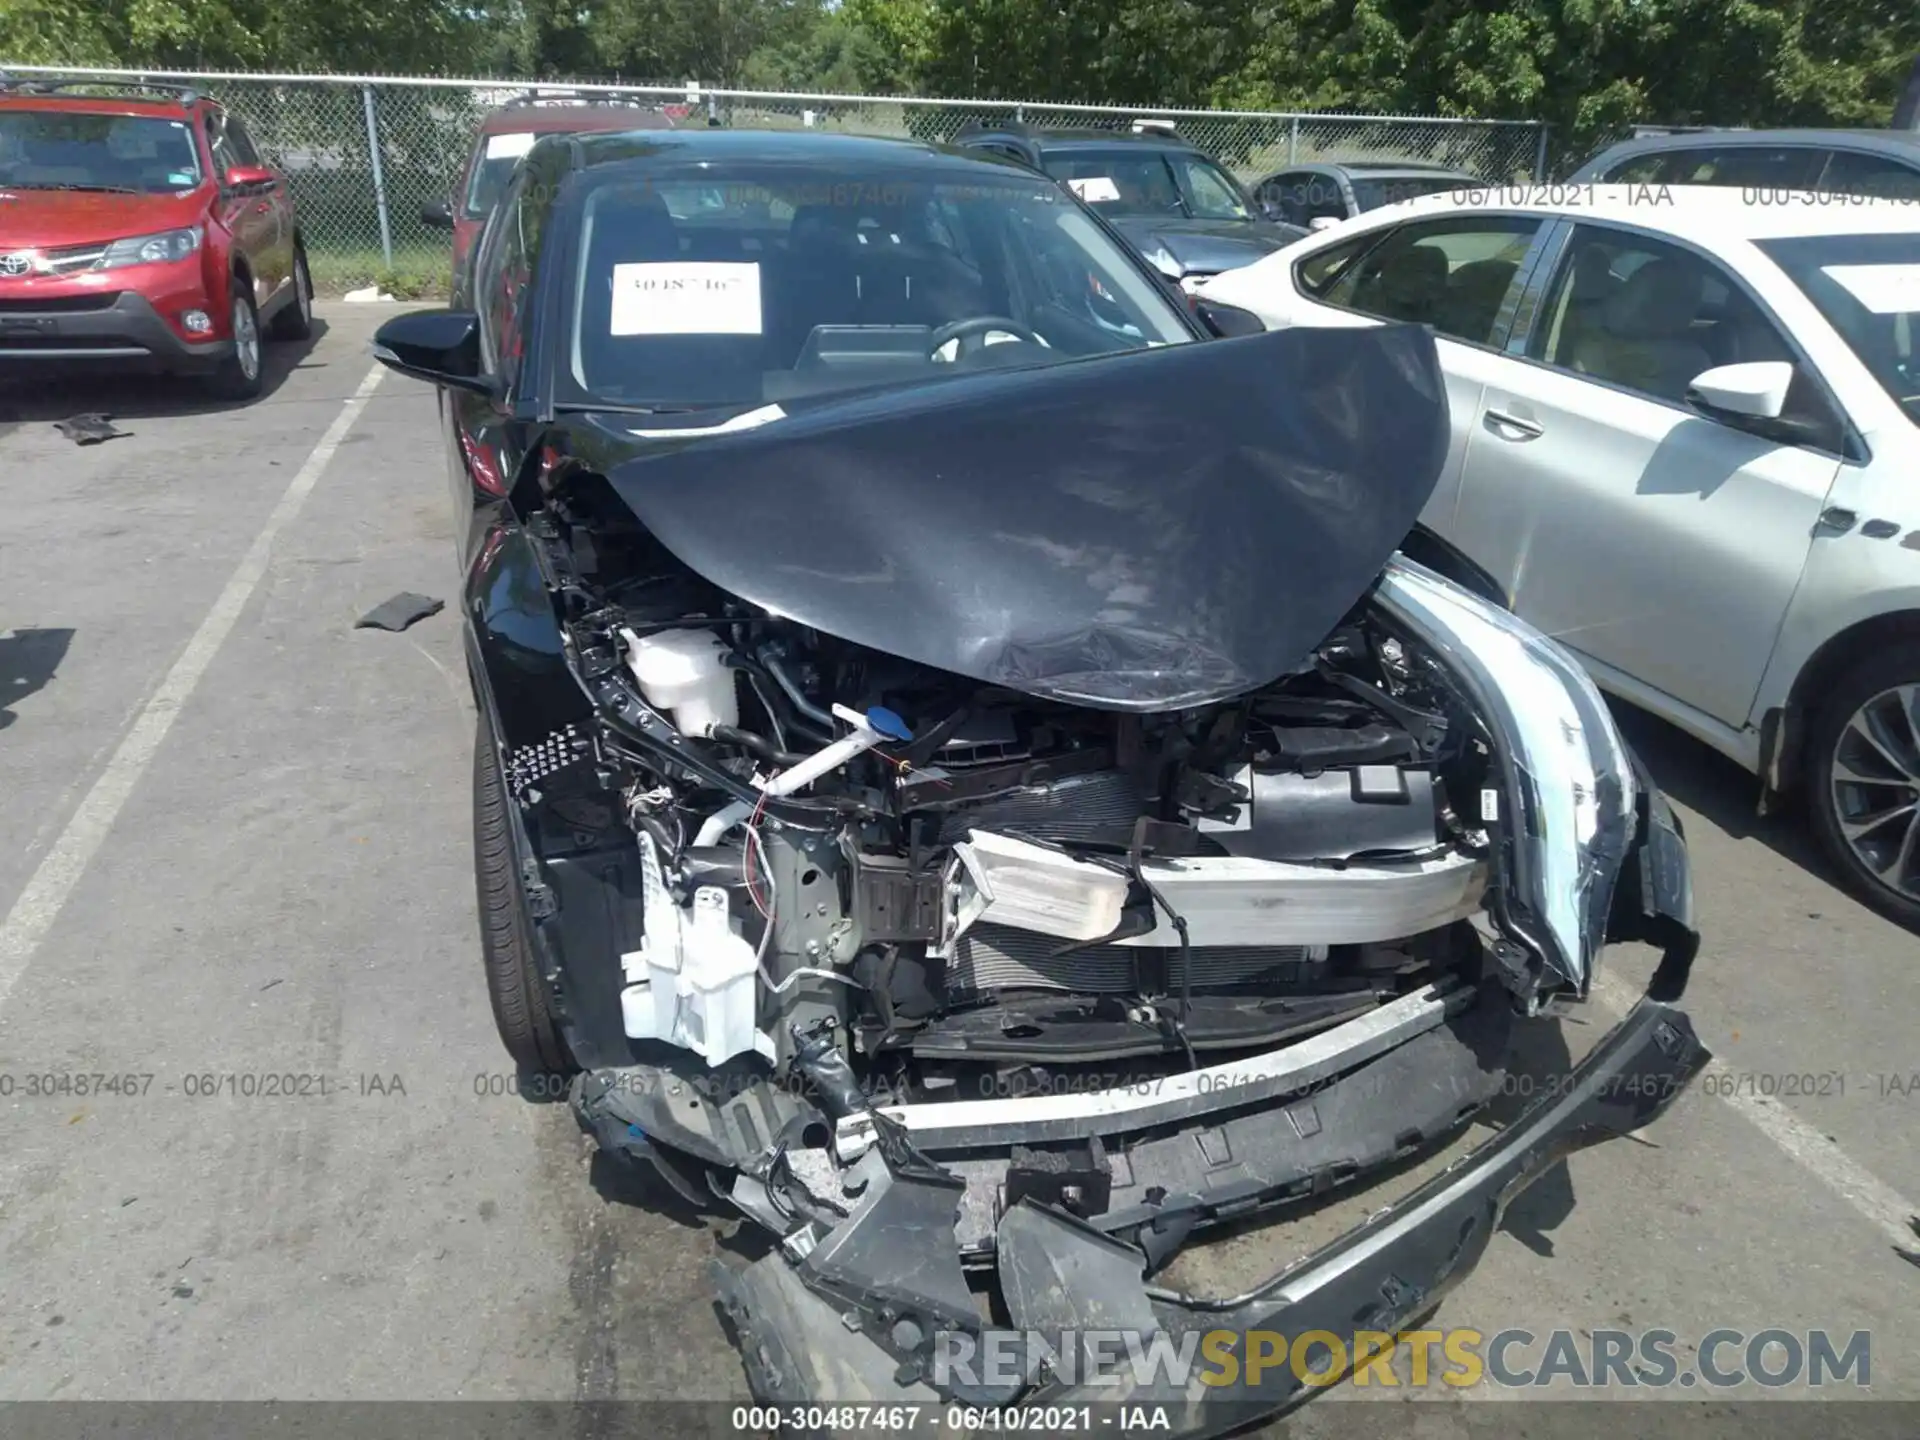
pixel 1321 199
pixel 1628 310
pixel 1304 195
pixel 1650 316
pixel 1451 274
pixel 1783 167
pixel 1640 170
pixel 224 158
pixel 1854 173
pixel 240 143
pixel 501 273
pixel 1321 270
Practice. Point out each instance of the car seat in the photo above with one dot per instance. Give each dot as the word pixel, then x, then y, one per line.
pixel 1646 338
pixel 1408 286
pixel 1473 297
pixel 1591 287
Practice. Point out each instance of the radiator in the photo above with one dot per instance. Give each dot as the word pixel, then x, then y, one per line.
pixel 999 957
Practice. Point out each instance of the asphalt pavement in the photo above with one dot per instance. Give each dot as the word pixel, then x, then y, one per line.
pixel 253 1143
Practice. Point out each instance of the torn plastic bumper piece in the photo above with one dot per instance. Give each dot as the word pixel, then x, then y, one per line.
pixel 826 1337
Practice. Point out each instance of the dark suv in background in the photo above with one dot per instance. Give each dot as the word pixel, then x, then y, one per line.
pixel 1177 205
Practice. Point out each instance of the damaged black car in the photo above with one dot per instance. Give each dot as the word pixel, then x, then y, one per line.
pixel 987 780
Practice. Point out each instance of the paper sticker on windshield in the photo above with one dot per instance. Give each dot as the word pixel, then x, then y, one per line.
pixel 502 147
pixel 182 179
pixel 1095 188
pixel 1883 289
pixel 686 297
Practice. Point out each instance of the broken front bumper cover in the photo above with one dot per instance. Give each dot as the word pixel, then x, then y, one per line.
pixel 870 1312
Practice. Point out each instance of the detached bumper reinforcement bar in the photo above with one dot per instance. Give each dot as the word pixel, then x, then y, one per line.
pixel 1059 1274
pixel 964 1124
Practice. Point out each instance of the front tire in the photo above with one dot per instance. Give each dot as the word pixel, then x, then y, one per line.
pixel 514 984
pixel 239 375
pixel 1863 780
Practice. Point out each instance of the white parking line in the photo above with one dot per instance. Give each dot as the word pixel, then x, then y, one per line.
pixel 1866 1192
pixel 52 882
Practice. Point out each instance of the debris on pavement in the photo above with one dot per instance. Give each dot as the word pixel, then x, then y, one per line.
pixel 89 429
pixel 370 294
pixel 1912 1257
pixel 400 612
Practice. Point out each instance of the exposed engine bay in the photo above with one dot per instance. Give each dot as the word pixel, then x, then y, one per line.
pixel 938 879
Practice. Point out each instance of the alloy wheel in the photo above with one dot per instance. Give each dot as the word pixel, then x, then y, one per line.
pixel 246 338
pixel 1876 788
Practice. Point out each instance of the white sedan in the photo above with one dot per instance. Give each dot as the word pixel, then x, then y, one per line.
pixel 1686 442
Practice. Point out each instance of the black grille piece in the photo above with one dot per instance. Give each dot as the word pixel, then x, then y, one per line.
pixel 61 304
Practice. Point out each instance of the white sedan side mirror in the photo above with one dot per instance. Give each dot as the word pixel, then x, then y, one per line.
pixel 1757 389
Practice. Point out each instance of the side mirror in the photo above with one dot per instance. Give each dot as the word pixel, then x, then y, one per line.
pixel 1754 391
pixel 1228 321
pixel 250 177
pixel 441 347
pixel 437 215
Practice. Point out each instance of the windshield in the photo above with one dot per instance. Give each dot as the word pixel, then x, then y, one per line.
pixel 1392 189
pixel 70 150
pixel 1868 287
pixel 488 182
pixel 746 285
pixel 1150 182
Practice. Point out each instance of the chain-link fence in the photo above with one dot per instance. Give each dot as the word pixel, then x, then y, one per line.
pixel 365 154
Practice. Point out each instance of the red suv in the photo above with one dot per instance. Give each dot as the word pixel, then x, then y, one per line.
pixel 509 132
pixel 141 228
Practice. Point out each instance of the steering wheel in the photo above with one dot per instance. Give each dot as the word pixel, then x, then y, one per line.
pixel 976 328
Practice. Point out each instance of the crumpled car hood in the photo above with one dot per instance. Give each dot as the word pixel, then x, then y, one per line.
pixel 1141 532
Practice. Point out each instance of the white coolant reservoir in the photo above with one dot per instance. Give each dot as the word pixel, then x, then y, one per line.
pixel 684 673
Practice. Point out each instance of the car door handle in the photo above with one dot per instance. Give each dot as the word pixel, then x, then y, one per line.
pixel 1499 420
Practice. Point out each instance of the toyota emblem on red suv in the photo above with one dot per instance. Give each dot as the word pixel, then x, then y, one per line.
pixel 16 264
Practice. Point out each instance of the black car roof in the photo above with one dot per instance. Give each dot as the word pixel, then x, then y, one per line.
pixel 1408 168
pixel 1070 139
pixel 781 146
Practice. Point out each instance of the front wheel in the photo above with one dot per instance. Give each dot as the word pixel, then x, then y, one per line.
pixel 1863 780
pixel 238 376
pixel 514 983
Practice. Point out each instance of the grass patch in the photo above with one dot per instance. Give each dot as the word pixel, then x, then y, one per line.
pixel 420 273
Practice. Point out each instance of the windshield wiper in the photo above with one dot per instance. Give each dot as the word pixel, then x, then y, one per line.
pixel 614 407
pixel 67 185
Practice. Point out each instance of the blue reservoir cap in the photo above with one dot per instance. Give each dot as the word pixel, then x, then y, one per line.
pixel 888 724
